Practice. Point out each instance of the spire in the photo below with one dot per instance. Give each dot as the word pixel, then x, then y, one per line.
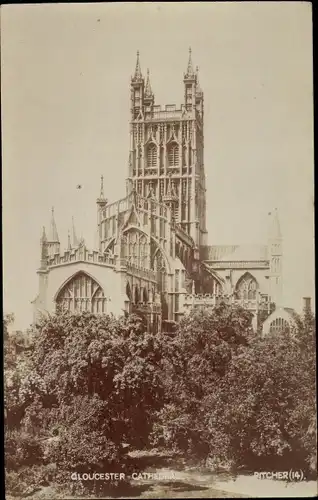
pixel 101 200
pixel 43 247
pixel 75 239
pixel 69 244
pixel 199 90
pixel 190 72
pixel 53 236
pixel 43 237
pixel 275 231
pixel 102 187
pixel 148 89
pixel 138 74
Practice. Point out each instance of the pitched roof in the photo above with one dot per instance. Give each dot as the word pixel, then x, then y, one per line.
pixel 235 252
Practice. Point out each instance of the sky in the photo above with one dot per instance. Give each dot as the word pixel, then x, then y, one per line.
pixel 66 72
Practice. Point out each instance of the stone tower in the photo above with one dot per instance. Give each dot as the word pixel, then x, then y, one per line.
pixel 167 149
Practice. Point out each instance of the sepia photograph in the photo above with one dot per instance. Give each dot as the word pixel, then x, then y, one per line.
pixel 158 250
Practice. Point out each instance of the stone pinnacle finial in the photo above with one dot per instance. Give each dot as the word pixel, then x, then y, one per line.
pixel 69 244
pixel 75 239
pixel 101 200
pixel 138 74
pixel 190 71
pixel 53 235
pixel 102 187
pixel 199 90
pixel 43 237
pixel 148 89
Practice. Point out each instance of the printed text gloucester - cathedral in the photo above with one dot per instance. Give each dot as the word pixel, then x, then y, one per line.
pixel 152 254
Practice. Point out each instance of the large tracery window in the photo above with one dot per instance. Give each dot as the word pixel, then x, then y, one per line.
pixel 152 156
pixel 246 288
pixel 173 155
pixel 279 325
pixel 82 293
pixel 136 249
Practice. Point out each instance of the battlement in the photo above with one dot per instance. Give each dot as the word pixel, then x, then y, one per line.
pixel 169 111
pixel 81 254
pixel 139 271
pixel 147 307
pixel 212 300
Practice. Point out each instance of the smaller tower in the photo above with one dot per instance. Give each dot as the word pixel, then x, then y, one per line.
pixel 53 241
pixel 275 258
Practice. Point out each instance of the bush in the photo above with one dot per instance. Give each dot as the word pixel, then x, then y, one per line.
pixel 21 449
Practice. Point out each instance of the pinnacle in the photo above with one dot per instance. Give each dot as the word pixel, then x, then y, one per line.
pixel 199 90
pixel 75 239
pixel 53 235
pixel 148 90
pixel 190 72
pixel 43 237
pixel 101 199
pixel 69 244
pixel 138 74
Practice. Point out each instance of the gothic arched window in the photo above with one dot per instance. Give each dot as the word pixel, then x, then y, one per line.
pixel 82 293
pixel 173 155
pixel 152 156
pixel 159 267
pixel 246 287
pixel 143 251
pixel 279 325
pixel 137 295
pixel 128 291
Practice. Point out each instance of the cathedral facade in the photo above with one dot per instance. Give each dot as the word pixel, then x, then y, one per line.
pixel 153 255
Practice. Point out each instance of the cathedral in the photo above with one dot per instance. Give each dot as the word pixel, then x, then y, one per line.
pixel 152 255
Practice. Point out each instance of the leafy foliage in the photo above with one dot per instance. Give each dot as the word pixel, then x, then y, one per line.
pixel 114 359
pixel 240 399
pixel 82 389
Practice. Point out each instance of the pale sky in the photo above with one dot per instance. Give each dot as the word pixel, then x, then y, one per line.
pixel 65 121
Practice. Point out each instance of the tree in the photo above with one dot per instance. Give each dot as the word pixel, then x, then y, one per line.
pixel 197 357
pixel 114 359
pixel 263 409
pixel 91 383
pixel 238 398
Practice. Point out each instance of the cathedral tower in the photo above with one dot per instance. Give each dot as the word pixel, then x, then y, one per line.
pixel 167 149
